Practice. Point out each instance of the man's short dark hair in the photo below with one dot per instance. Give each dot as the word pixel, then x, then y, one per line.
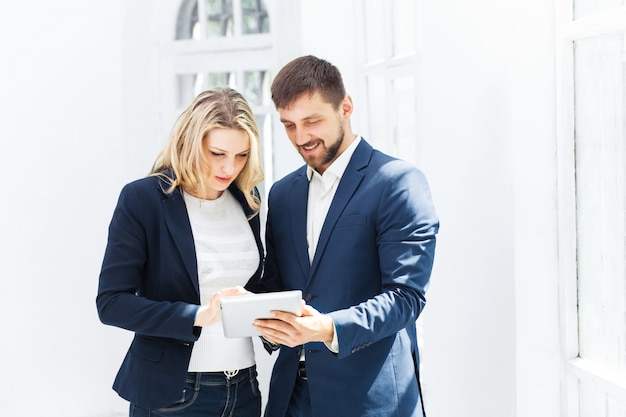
pixel 308 74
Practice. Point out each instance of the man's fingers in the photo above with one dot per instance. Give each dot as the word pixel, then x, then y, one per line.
pixel 279 331
pixel 283 316
pixel 270 324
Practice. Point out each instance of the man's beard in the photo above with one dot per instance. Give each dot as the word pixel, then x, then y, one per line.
pixel 331 152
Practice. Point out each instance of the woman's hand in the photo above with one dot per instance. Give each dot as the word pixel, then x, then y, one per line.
pixel 210 313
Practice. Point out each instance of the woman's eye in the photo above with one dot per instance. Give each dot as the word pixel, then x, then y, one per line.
pixel 217 154
pixel 242 155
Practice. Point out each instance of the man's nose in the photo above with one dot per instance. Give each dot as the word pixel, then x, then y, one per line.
pixel 301 137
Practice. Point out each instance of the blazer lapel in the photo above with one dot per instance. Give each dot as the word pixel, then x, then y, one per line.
pixel 348 185
pixel 298 206
pixel 177 222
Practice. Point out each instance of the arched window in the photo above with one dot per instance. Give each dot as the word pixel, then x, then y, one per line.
pixel 216 18
pixel 221 43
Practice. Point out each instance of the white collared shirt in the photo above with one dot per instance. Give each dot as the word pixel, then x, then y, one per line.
pixel 322 190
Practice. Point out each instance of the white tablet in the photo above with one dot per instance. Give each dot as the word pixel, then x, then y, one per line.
pixel 240 311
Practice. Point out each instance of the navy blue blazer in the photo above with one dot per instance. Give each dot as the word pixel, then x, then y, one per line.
pixel 149 285
pixel 370 272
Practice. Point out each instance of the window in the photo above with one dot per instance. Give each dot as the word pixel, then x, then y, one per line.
pixel 221 18
pixel 391 65
pixel 221 43
pixel 591 46
pixel 585 8
pixel 390 78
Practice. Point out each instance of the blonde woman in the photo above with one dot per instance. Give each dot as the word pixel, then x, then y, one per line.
pixel 180 239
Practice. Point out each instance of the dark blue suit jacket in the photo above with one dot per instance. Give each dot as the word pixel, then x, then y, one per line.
pixel 370 271
pixel 149 285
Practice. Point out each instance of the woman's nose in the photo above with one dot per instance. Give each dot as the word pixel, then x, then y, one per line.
pixel 228 168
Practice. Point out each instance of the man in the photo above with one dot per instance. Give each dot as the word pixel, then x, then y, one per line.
pixel 354 229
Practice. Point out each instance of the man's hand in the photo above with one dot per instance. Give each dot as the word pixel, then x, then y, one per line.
pixel 291 330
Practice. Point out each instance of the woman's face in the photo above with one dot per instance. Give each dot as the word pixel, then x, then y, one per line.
pixel 227 151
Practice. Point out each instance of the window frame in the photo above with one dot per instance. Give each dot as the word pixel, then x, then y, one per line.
pixel 574 368
pixel 391 68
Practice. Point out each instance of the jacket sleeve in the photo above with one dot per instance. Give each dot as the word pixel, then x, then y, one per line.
pixel 406 228
pixel 128 290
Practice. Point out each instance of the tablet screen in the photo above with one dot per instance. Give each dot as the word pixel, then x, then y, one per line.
pixel 239 312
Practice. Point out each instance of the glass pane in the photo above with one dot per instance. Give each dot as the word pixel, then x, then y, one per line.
pixel 222 79
pixel 189 86
pixel 261 120
pixel 374 29
pixel 404 109
pixel 255 19
pixel 256 88
pixel 600 199
pixel 187 21
pixel 404 27
pixel 219 18
pixel 584 8
pixel 215 7
pixel 264 122
pixel 376 100
pixel 196 31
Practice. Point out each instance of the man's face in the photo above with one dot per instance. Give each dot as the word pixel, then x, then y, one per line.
pixel 316 129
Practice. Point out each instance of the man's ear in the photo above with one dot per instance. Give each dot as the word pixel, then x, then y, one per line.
pixel 346 106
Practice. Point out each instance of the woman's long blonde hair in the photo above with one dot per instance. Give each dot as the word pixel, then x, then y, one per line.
pixel 184 154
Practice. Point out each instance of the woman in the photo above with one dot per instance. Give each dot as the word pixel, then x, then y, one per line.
pixel 180 239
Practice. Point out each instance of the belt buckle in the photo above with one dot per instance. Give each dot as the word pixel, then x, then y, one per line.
pixel 302 370
pixel 231 374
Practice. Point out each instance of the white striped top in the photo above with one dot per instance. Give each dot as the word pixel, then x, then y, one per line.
pixel 227 256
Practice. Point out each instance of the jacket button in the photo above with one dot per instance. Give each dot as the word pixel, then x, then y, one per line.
pixel 308 297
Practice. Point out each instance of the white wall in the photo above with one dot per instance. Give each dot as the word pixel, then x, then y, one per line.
pixel 64 160
pixel 79 103
pixel 491 328
pixel 534 93
pixel 469 321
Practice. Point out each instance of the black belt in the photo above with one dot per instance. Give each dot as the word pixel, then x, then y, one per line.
pixel 235 374
pixel 226 374
pixel 302 370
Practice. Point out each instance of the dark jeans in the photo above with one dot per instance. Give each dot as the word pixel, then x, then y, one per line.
pixel 212 394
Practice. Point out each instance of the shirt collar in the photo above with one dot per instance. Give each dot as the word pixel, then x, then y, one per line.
pixel 339 165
